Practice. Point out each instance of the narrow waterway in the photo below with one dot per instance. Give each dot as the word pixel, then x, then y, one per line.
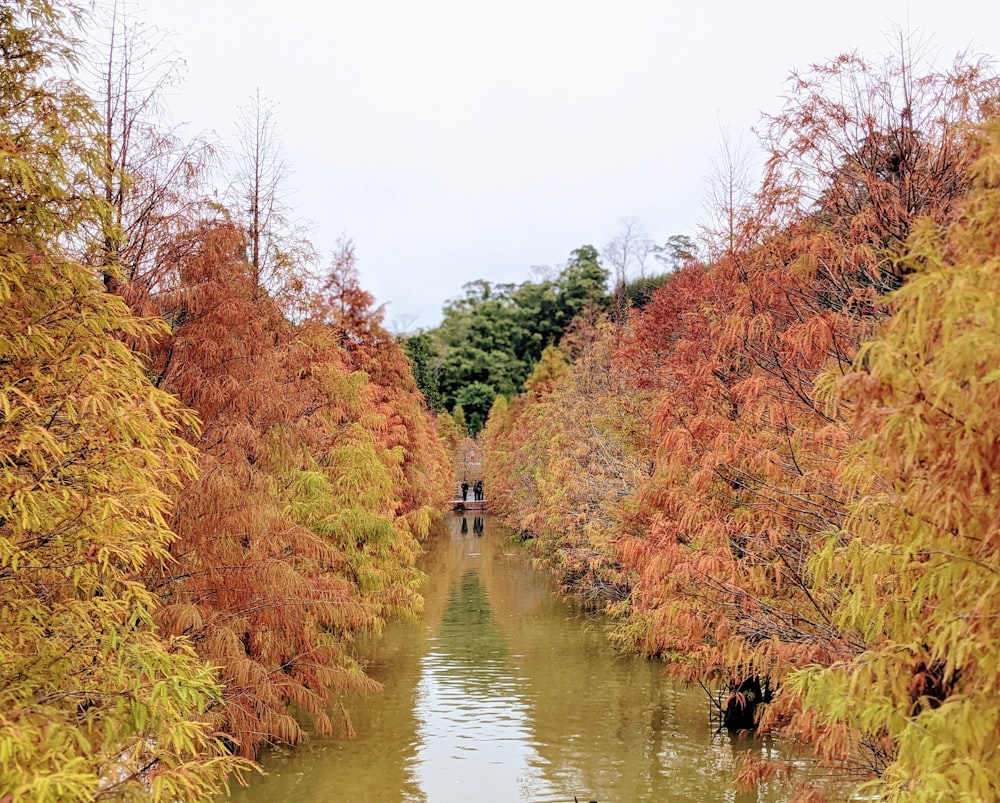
pixel 503 693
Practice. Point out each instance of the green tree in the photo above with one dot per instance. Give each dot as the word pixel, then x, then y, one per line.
pixel 495 334
pixel 426 366
pixel 582 283
pixel 476 398
pixel 640 291
pixel 678 251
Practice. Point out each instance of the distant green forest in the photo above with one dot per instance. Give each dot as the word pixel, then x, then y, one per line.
pixel 491 338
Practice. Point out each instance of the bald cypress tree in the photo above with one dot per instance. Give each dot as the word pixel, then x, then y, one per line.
pixel 920 545
pixel 94 702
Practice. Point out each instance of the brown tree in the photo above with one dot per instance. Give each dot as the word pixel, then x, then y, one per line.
pixel 257 591
pixel 277 247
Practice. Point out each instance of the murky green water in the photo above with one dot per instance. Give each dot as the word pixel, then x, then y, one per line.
pixel 505 693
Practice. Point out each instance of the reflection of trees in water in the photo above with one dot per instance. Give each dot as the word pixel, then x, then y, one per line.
pixel 598 721
pixel 374 766
pixel 604 725
pixel 469 639
pixel 500 643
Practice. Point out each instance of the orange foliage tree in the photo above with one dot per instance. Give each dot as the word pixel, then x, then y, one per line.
pixel 292 539
pixel 747 461
pixel 409 430
pixel 95 702
pixel 210 486
pixel 745 478
pixel 564 459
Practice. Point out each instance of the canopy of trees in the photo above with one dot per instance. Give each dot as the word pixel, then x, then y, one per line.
pixel 206 491
pixel 779 473
pixel 777 468
pixel 491 338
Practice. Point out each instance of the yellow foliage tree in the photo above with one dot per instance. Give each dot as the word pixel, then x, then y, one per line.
pixel 920 547
pixel 94 703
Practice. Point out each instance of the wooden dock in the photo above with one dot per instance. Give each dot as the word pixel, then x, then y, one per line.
pixel 468 505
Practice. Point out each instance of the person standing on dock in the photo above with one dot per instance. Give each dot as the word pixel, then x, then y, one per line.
pixel 465 490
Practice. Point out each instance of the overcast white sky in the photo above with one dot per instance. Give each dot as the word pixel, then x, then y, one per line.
pixel 463 139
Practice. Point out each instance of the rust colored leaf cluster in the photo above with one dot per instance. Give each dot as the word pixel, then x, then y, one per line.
pixel 694 478
pixel 216 474
pixel 319 472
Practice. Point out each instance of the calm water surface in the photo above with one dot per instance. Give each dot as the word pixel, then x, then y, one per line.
pixel 505 693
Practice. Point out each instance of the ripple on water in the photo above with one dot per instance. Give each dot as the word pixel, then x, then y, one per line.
pixel 508 695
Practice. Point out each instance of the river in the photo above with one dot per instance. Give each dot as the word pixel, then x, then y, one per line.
pixel 503 692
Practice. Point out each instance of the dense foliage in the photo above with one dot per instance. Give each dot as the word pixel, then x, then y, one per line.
pixel 207 491
pixel 93 702
pixel 490 339
pixel 919 542
pixel 777 468
pixel 752 490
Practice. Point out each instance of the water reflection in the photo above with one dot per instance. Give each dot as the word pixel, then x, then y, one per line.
pixel 474 737
pixel 507 693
